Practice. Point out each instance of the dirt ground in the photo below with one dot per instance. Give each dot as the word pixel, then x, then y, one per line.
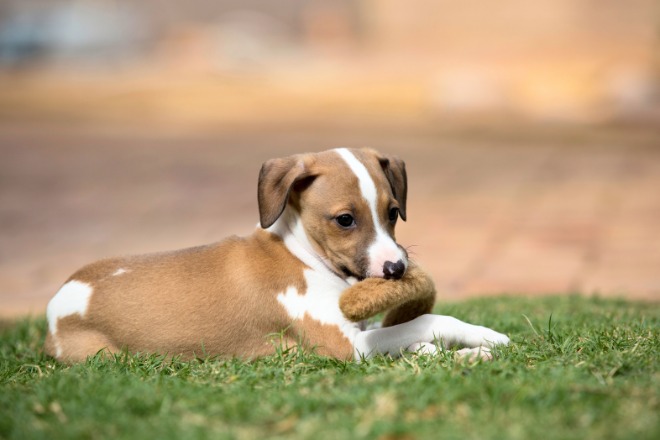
pixel 519 212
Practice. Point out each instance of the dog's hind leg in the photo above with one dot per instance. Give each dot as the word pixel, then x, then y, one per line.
pixel 404 299
pixel 74 341
pixel 409 311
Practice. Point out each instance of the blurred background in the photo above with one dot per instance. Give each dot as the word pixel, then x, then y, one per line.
pixel 531 131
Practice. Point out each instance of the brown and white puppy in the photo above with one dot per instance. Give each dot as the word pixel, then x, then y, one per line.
pixel 326 222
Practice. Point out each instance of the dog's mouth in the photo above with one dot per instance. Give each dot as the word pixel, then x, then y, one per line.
pixel 346 271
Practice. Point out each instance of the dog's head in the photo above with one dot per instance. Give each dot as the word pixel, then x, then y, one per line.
pixel 345 202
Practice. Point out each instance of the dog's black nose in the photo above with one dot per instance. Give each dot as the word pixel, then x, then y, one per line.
pixel 393 270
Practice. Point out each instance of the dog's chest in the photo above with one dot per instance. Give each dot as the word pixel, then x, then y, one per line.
pixel 319 302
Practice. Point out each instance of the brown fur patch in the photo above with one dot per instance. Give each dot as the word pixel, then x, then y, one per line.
pixel 196 300
pixel 78 338
pixel 157 307
pixel 326 340
pixel 389 176
pixel 332 194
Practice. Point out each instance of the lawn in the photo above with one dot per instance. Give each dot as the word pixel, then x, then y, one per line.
pixel 578 368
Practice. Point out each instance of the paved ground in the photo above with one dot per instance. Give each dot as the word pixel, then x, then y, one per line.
pixel 515 213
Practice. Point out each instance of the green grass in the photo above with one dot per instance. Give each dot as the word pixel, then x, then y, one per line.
pixel 577 369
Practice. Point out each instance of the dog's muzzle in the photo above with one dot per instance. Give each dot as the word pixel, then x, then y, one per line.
pixel 393 270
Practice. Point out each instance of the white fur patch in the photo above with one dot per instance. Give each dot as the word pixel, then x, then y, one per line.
pixel 72 298
pixel 383 247
pixel 474 354
pixel 367 186
pixel 423 348
pixel 321 299
pixel 320 302
pixel 119 271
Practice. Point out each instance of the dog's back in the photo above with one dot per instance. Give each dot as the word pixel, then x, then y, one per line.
pixel 219 298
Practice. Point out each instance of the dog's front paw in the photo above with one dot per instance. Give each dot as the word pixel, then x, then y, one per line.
pixel 483 336
pixel 423 348
pixel 495 338
pixel 474 354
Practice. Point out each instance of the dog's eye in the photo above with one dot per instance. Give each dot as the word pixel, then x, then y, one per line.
pixel 345 220
pixel 394 214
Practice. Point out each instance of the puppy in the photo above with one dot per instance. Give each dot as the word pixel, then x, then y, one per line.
pixel 327 222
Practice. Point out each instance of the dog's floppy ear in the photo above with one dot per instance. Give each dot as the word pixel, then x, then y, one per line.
pixel 395 171
pixel 276 178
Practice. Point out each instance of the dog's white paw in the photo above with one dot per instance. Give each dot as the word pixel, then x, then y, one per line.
pixel 423 348
pixel 483 336
pixel 494 338
pixel 474 354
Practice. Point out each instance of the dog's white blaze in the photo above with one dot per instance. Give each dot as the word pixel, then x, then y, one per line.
pixel 383 247
pixel 367 186
pixel 320 302
pixel 72 298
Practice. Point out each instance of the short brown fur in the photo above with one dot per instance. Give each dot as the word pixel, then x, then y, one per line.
pixel 154 306
pixel 404 299
pixel 221 299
